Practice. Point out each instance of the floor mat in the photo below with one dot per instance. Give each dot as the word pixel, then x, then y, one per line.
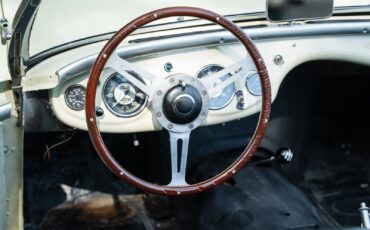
pixel 256 198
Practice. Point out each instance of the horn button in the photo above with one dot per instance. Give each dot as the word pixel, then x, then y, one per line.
pixel 182 104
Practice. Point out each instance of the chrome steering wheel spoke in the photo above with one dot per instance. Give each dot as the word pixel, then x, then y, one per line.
pixel 214 84
pixel 122 66
pixel 179 154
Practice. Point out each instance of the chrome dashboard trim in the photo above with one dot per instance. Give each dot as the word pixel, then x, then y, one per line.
pixel 216 38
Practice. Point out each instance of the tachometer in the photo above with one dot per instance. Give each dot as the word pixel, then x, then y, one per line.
pixel 121 97
pixel 223 98
pixel 75 97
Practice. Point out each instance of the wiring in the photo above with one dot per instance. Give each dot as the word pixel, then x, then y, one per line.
pixel 47 153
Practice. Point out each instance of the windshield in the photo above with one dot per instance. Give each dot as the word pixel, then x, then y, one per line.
pixel 59 22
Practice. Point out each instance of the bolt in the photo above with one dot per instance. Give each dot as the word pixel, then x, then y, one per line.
pixel 279 60
pixel 158 114
pixel 191 126
pixel 170 126
pixel 168 67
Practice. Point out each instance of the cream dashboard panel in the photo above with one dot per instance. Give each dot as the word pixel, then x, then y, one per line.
pixel 189 61
pixel 295 44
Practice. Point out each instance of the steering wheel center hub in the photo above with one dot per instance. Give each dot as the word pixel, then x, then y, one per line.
pixel 180 103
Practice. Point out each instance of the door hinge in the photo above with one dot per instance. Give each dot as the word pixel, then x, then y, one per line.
pixel 6 34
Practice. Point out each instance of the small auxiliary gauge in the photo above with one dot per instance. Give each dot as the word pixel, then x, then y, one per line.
pixel 75 97
pixel 253 84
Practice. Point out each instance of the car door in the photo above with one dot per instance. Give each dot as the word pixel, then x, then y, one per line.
pixel 11 133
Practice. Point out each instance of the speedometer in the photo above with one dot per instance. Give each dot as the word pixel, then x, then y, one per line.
pixel 224 97
pixel 121 97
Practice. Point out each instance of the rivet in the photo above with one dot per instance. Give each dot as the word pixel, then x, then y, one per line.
pixel 158 114
pixel 170 126
pixel 191 126
pixel 178 192
pixel 234 171
pixel 204 92
pixel 104 55
pixel 159 92
pixel 91 119
pixel 155 15
pixel 218 18
pixel 121 173
pixel 203 114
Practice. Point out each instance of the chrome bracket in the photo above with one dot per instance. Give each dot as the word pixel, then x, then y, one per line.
pixel 6 35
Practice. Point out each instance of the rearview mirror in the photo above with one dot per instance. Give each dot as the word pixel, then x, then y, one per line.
pixel 290 10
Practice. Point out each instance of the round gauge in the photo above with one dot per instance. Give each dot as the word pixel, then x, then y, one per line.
pixel 253 84
pixel 75 97
pixel 121 97
pixel 224 97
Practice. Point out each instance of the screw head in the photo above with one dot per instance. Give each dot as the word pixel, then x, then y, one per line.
pixel 168 67
pixel 279 60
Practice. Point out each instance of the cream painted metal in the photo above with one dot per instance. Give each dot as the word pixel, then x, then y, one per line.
pixel 11 166
pixel 11 143
pixel 295 51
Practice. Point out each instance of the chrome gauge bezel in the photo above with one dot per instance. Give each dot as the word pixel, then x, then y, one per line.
pixel 233 94
pixel 247 85
pixel 139 110
pixel 66 92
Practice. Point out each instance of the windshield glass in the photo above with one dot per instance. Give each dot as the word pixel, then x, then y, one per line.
pixel 59 22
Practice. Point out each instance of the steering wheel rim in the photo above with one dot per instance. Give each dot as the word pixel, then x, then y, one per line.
pixel 100 63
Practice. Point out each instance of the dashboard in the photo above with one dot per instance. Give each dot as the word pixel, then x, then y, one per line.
pixel 122 107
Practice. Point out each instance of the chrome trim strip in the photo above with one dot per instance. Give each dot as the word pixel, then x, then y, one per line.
pixel 220 37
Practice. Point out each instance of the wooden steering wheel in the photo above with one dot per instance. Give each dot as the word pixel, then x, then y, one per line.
pixel 179 103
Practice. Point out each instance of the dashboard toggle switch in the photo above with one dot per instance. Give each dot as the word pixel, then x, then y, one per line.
pixel 240 100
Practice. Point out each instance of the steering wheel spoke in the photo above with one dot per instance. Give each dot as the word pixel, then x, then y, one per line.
pixel 214 84
pixel 179 154
pixel 147 85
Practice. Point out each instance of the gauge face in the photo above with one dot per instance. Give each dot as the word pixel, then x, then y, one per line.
pixel 253 84
pixel 123 98
pixel 75 97
pixel 224 97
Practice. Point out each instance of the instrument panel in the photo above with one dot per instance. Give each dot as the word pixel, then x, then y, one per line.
pixel 122 107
